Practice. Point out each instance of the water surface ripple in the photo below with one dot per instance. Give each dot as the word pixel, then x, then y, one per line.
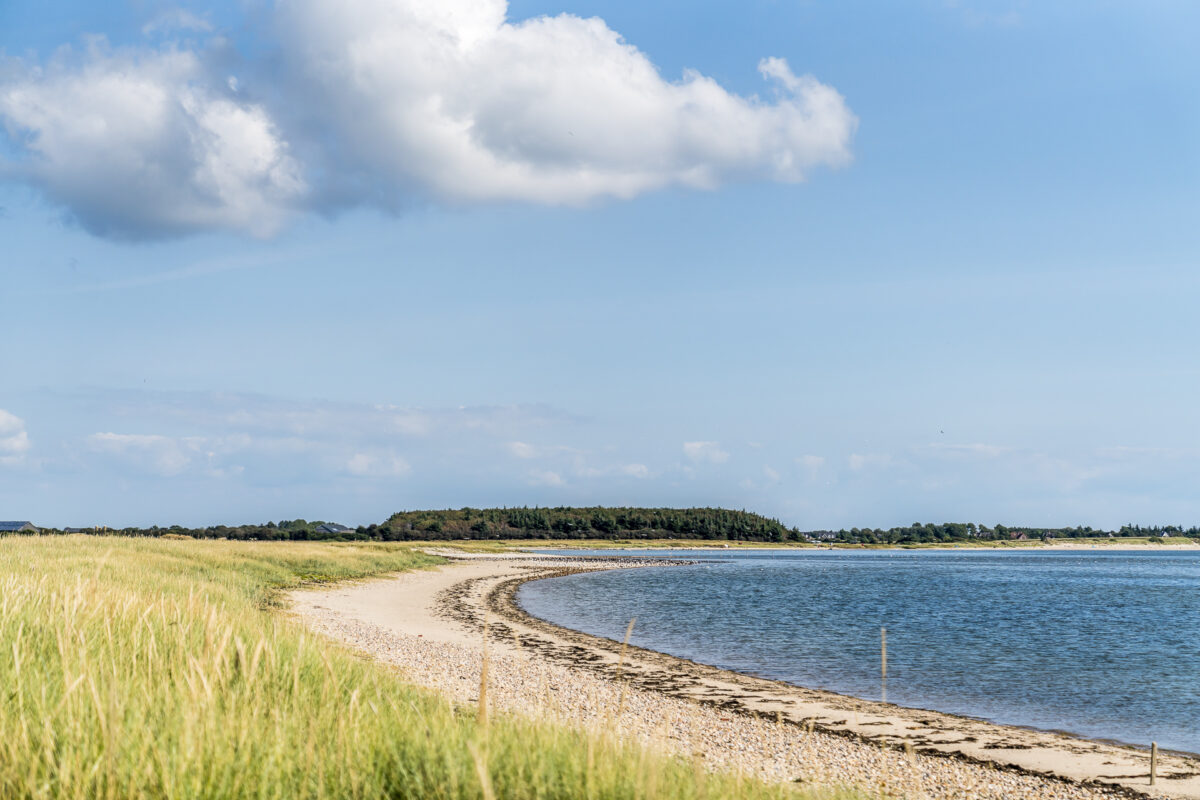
pixel 1100 644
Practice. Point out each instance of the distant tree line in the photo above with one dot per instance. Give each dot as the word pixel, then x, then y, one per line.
pixel 708 524
pixel 1191 532
pixel 931 533
pixel 584 523
pixel 284 530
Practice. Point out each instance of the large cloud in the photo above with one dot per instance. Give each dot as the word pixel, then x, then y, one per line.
pixel 449 98
pixel 136 144
pixel 387 102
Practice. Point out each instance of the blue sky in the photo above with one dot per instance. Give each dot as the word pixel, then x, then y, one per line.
pixel 846 264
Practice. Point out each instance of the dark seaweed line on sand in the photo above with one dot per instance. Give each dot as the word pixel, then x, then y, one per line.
pixel 669 674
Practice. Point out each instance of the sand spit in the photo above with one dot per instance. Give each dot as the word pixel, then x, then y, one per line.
pixel 429 624
pixel 1115 545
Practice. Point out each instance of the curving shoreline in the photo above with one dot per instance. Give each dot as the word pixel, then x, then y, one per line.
pixel 430 624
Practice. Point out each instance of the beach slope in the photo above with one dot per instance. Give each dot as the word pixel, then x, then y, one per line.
pixel 431 625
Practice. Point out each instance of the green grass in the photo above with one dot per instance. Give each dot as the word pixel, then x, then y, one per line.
pixel 135 668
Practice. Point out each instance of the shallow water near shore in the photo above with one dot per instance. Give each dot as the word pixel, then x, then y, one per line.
pixel 1104 645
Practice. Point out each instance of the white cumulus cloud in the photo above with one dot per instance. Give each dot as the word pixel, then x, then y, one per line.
pixel 391 102
pixel 709 452
pixel 14 439
pixel 136 144
pixel 454 100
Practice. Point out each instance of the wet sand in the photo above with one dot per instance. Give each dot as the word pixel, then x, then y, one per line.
pixel 430 624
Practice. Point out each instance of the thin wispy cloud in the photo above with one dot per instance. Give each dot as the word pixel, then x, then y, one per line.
pixel 176 20
pixel 811 464
pixel 259 440
pixel 525 450
pixel 976 449
pixel 988 13
pixel 162 455
pixel 582 469
pixel 545 477
pixel 522 450
pixel 265 414
pixel 379 464
pixel 705 452
pixel 863 461
pixel 198 270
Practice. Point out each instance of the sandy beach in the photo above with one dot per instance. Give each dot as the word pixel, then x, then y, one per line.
pixel 1115 545
pixel 430 625
pixel 1106 545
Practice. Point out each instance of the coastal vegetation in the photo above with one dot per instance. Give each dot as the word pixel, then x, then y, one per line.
pixel 631 524
pixel 500 523
pixel 584 523
pixel 162 668
pixel 949 532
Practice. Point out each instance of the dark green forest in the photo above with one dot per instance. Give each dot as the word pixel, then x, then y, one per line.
pixel 707 524
pixel 585 523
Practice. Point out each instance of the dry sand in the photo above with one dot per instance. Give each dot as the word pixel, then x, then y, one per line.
pixel 429 624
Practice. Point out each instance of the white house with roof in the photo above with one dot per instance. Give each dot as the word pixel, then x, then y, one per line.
pixel 23 526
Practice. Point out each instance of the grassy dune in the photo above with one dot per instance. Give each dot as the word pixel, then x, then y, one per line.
pixel 136 668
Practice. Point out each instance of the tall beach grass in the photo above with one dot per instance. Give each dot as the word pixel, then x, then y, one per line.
pixel 134 668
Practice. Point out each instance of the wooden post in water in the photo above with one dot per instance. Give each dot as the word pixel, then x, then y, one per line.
pixel 1153 762
pixel 883 663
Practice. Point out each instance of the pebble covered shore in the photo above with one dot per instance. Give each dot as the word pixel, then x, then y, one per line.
pixel 526 683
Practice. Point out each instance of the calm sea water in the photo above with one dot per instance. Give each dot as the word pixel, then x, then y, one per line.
pixel 1099 644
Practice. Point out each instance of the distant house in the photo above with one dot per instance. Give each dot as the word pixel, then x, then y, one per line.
pixel 78 530
pixel 1019 536
pixel 332 527
pixel 18 527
